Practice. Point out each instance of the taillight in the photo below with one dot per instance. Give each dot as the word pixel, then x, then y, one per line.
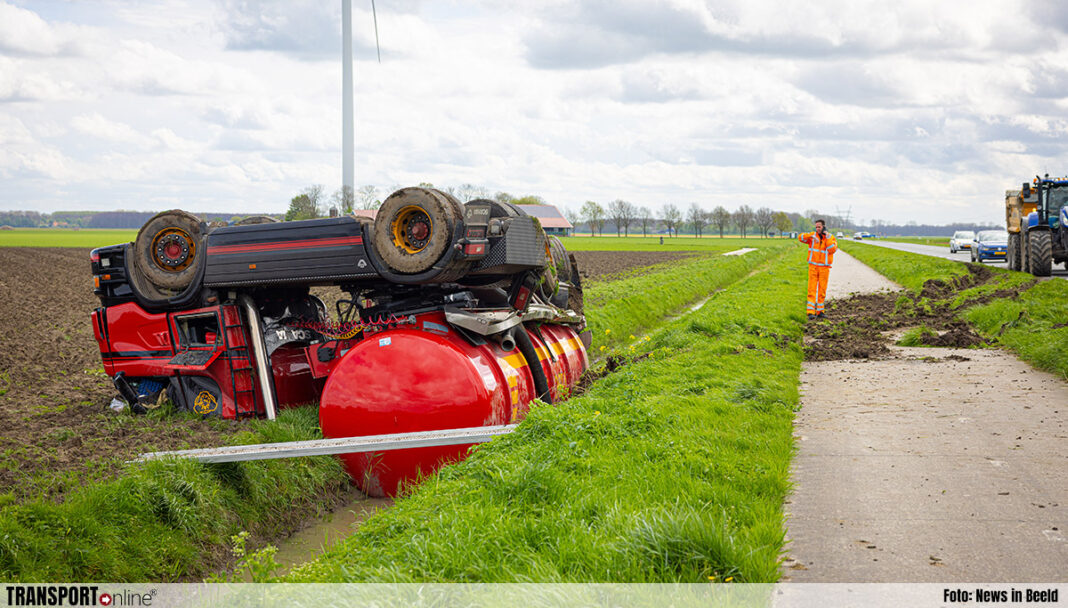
pixel 94 256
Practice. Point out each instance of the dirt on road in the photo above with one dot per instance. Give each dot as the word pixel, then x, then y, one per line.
pixel 864 325
pixel 923 464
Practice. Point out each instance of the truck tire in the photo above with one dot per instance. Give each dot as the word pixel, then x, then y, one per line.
pixel 255 219
pixel 169 250
pixel 1014 251
pixel 414 229
pixel 1040 253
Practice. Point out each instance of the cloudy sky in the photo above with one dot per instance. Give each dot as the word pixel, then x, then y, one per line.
pixel 904 110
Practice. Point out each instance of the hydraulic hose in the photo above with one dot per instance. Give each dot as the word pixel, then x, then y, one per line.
pixel 526 348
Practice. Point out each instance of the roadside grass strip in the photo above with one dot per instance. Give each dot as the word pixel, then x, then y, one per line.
pixel 171 518
pixel 1029 318
pixel 934 241
pixel 618 309
pixel 1034 325
pixel 673 468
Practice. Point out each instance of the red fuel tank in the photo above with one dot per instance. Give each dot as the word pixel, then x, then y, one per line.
pixel 426 377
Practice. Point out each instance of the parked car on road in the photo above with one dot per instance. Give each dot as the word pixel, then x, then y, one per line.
pixel 962 239
pixel 990 245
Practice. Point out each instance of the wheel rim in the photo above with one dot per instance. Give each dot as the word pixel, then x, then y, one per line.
pixel 411 229
pixel 173 249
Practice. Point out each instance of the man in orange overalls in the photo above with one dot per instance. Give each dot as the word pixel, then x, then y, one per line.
pixel 821 248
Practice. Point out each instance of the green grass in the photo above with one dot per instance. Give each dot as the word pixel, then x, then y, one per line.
pixel 650 243
pixel 61 237
pixel 916 336
pixel 162 520
pixel 617 309
pixel 935 241
pixel 1032 324
pixel 910 270
pixel 673 468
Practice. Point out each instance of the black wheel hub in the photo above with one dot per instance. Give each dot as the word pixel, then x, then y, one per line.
pixel 172 251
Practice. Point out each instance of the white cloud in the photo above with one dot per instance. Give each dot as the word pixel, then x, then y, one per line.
pixel 235 107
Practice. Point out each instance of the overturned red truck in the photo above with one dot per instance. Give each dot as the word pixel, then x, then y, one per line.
pixel 453 315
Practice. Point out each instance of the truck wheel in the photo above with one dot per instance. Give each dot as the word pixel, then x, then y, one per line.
pixel 414 228
pixel 1014 252
pixel 1041 253
pixel 169 250
pixel 255 219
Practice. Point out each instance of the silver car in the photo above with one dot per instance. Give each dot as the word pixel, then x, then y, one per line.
pixel 962 239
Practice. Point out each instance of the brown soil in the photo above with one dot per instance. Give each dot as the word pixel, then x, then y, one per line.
pixel 57 429
pixel 606 265
pixel 856 327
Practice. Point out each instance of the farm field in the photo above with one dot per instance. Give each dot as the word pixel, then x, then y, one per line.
pixel 61 446
pixel 61 237
pixel 652 243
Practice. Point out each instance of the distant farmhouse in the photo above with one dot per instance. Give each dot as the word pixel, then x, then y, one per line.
pixel 549 216
pixel 551 219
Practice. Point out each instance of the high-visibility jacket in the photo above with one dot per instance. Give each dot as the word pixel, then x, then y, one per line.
pixel 820 250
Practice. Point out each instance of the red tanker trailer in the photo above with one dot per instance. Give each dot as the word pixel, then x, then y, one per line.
pixel 453 316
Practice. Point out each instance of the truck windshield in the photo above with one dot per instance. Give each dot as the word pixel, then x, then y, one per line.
pixel 1057 198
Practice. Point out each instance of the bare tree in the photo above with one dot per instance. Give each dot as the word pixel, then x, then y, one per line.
pixel 367 196
pixel 622 213
pixel 343 199
pixel 593 213
pixel 765 218
pixel 721 218
pixel 470 192
pixel 697 218
pixel 744 218
pixel 672 218
pixel 572 216
pixel 645 217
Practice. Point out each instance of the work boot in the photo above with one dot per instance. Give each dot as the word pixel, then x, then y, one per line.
pixel 810 317
pixel 819 316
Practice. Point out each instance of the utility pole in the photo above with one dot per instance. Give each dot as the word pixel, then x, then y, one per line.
pixel 348 163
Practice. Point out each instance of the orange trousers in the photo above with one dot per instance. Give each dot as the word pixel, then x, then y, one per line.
pixel 817 287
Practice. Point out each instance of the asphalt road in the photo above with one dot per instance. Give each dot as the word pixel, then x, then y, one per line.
pixel 933 465
pixel 943 252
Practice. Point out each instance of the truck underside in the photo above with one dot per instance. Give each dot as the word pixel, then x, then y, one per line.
pixel 451 316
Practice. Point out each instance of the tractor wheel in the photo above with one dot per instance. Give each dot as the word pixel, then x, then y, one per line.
pixel 169 250
pixel 1041 253
pixel 414 229
pixel 1014 252
pixel 255 219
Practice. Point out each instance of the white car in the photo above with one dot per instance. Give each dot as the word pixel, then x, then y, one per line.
pixel 838 234
pixel 962 239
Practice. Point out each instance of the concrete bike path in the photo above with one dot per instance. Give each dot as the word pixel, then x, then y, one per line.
pixel 939 465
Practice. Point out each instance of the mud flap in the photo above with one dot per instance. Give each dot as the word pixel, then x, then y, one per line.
pixel 196 394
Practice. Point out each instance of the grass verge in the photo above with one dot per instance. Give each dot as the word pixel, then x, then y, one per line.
pixel 934 241
pixel 1009 310
pixel 617 309
pixel 673 468
pixel 168 519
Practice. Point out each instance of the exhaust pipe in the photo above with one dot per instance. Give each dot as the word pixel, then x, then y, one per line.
pixel 506 340
pixel 259 354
